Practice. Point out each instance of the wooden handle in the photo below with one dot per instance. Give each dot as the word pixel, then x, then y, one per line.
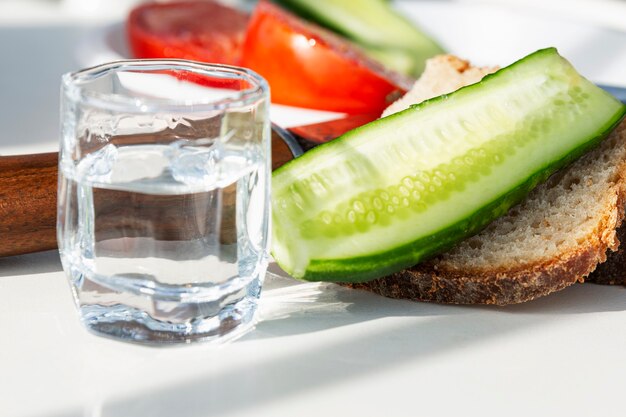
pixel 28 185
pixel 28 199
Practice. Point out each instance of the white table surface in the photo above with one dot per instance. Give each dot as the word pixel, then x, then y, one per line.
pixel 319 349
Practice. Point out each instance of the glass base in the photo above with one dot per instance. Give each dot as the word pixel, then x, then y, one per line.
pixel 128 324
pixel 198 314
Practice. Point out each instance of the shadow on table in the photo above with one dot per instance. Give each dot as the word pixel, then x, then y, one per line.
pixel 298 308
pixel 33 263
pixel 411 332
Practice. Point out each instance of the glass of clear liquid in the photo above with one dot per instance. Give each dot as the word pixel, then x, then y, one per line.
pixel 163 198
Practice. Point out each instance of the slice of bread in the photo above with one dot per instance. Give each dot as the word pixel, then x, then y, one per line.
pixel 443 74
pixel 557 236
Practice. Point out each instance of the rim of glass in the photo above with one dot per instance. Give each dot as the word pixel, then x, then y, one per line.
pixel 72 85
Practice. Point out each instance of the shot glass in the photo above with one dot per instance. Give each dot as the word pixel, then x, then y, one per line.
pixel 163 198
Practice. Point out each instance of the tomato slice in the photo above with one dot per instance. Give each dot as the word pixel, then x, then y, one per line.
pixel 307 66
pixel 204 31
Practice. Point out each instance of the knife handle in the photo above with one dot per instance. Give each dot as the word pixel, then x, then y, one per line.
pixel 28 185
pixel 28 199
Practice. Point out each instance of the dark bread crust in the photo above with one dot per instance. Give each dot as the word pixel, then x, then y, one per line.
pixel 425 283
pixel 613 271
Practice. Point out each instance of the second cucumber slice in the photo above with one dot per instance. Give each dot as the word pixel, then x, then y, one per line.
pixel 383 33
pixel 388 194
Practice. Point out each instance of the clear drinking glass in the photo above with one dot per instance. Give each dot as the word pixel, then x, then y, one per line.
pixel 163 199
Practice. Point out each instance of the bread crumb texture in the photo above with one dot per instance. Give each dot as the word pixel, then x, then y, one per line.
pixel 443 74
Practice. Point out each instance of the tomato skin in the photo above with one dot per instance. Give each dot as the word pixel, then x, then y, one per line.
pixel 309 67
pixel 204 31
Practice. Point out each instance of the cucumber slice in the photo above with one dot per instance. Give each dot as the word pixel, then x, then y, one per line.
pixel 388 194
pixel 396 59
pixel 383 33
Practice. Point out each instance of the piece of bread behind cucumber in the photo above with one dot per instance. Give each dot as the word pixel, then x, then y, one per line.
pixel 554 238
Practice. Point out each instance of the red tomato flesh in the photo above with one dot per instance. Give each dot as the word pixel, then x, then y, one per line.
pixel 307 66
pixel 204 31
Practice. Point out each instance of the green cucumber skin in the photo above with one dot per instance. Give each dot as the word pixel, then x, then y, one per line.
pixel 406 54
pixel 375 264
pixel 366 268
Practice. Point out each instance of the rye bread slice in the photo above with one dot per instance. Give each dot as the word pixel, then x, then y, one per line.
pixel 557 236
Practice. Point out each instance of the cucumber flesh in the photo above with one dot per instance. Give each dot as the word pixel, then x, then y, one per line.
pixel 398 60
pixel 383 33
pixel 388 194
